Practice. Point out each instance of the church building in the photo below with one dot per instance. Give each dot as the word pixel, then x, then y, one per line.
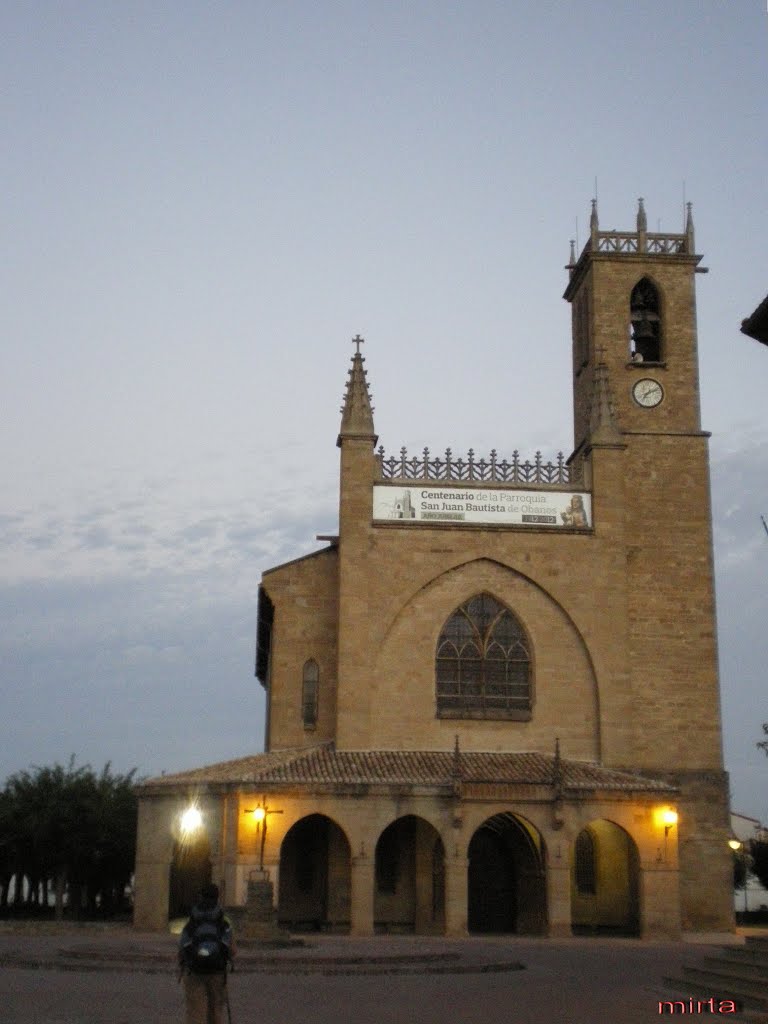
pixel 492 699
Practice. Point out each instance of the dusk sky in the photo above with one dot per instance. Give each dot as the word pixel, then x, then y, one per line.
pixel 204 203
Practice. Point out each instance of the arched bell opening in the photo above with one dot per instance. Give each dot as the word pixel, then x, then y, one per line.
pixel 506 888
pixel 409 882
pixel 315 877
pixel 646 327
pixel 605 881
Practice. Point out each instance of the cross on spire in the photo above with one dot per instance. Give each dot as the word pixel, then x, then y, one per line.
pixel 358 341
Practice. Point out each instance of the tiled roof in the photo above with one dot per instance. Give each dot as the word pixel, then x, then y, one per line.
pixel 323 765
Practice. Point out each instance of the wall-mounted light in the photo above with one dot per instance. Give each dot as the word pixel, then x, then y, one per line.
pixel 734 844
pixel 666 818
pixel 191 820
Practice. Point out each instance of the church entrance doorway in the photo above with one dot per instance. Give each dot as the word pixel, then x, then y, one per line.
pixel 409 894
pixel 505 885
pixel 190 870
pixel 315 877
pixel 605 881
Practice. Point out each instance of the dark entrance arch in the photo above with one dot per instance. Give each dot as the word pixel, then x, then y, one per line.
pixel 190 870
pixel 409 883
pixel 315 877
pixel 505 884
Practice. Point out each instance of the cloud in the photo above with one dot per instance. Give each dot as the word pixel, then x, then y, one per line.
pixel 129 620
pixel 122 670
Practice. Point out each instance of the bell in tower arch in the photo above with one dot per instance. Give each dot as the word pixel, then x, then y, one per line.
pixel 646 323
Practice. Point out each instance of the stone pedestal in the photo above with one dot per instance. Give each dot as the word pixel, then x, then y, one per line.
pixel 257 920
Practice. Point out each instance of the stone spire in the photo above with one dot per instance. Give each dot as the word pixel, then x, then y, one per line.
pixel 602 422
pixel 691 244
pixel 357 412
pixel 642 219
pixel 594 225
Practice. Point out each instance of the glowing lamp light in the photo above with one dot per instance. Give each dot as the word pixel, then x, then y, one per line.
pixel 734 844
pixel 191 820
pixel 668 818
pixel 259 814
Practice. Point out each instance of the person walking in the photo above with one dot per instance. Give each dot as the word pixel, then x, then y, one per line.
pixel 206 953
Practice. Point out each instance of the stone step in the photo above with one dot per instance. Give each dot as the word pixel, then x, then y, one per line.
pixel 688 989
pixel 730 983
pixel 757 953
pixel 90 960
pixel 743 965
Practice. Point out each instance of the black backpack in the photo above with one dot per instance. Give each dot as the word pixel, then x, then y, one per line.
pixel 206 951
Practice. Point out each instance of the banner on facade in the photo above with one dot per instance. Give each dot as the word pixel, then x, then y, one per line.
pixel 436 503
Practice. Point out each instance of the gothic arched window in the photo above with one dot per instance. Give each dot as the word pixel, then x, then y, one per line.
pixel 483 663
pixel 310 685
pixel 645 315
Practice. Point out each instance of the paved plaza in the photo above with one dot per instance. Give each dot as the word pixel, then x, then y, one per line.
pixel 117 976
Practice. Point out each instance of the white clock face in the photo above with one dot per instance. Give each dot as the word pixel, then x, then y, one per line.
pixel 647 392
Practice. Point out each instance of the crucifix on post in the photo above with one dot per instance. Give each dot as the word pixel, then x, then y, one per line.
pixel 261 816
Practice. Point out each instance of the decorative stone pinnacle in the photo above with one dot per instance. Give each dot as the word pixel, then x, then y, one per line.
pixel 357 412
pixel 456 767
pixel 642 220
pixel 557 769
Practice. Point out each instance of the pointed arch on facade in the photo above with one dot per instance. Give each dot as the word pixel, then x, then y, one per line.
pixel 405 606
pixel 506 877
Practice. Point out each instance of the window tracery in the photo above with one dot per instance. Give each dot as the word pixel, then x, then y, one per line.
pixel 483 663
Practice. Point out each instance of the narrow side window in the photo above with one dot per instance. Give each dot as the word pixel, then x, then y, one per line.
pixel 310 686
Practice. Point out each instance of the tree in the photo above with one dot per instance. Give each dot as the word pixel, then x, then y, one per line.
pixel 759 851
pixel 740 872
pixel 763 744
pixel 71 829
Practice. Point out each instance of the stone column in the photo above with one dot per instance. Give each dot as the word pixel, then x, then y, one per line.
pixel 660 902
pixel 154 853
pixel 150 902
pixel 456 869
pixel 558 897
pixel 361 910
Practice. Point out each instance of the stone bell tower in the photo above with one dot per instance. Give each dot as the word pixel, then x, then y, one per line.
pixel 635 368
